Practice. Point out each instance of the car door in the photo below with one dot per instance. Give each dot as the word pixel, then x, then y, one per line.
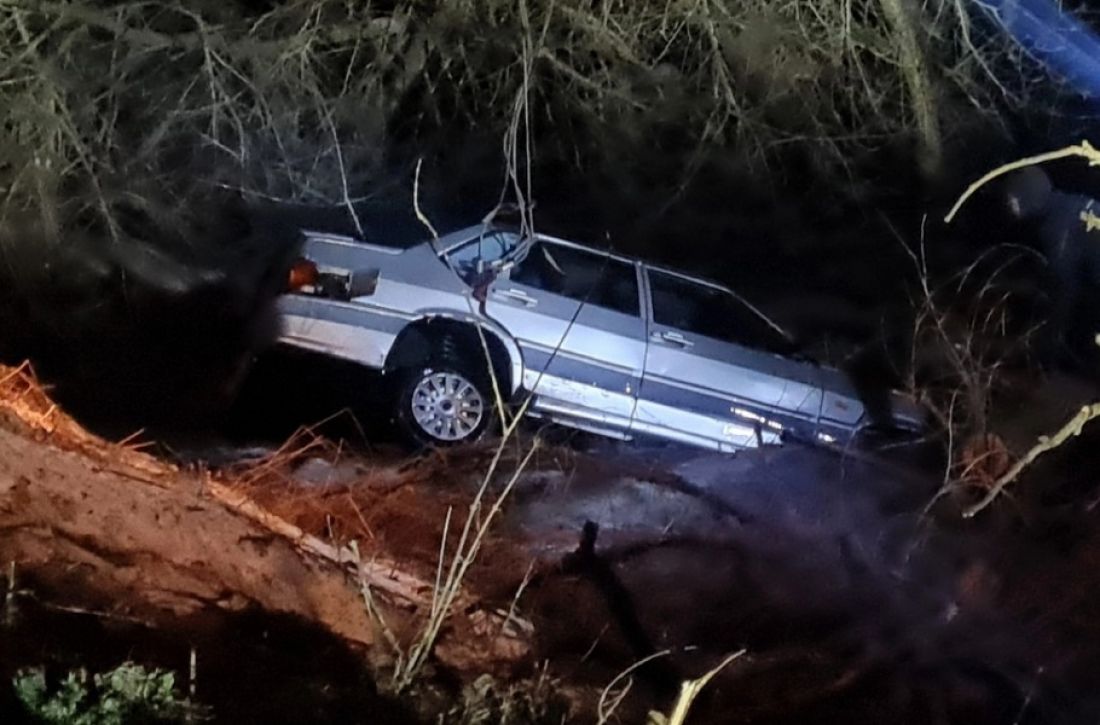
pixel 576 315
pixel 713 373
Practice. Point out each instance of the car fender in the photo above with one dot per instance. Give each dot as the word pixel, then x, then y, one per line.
pixel 511 347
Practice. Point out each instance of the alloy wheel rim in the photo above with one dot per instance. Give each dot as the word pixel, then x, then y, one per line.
pixel 447 406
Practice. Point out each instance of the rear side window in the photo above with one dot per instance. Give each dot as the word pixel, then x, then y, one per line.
pixel 580 275
pixel 712 312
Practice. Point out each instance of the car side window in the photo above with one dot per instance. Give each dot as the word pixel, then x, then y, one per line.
pixel 713 312
pixel 469 258
pixel 581 275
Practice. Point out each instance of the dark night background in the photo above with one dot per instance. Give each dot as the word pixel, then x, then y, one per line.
pixel 157 161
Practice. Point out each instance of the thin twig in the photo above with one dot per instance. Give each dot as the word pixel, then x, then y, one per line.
pixel 416 203
pixel 605 708
pixel 1045 444
pixel 1084 150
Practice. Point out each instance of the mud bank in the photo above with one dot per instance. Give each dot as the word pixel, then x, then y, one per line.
pixel 102 539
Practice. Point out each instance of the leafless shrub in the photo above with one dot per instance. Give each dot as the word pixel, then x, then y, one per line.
pixel 963 342
pixel 103 103
pixel 1073 427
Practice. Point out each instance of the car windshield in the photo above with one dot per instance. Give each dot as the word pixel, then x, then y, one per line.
pixel 476 255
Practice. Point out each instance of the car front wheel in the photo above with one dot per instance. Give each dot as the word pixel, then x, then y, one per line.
pixel 442 404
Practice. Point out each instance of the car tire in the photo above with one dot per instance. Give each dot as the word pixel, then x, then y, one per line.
pixel 444 403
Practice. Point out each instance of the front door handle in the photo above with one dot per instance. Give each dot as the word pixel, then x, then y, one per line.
pixel 515 295
pixel 672 338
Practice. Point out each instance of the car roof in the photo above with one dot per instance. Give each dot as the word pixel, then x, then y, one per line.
pixel 457 238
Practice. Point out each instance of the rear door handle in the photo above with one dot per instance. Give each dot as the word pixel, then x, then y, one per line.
pixel 674 339
pixel 515 295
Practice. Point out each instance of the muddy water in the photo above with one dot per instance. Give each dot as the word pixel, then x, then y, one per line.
pixel 850 606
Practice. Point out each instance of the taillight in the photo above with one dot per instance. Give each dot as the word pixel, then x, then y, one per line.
pixel 303 273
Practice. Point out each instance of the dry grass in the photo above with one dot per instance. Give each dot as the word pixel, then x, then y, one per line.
pixel 381 503
pixel 26 405
pixel 379 515
pixel 534 701
pixel 26 402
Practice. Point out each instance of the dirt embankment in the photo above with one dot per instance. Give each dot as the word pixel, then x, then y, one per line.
pixel 109 531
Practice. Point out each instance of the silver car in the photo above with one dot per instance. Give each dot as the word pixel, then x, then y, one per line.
pixel 597 341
